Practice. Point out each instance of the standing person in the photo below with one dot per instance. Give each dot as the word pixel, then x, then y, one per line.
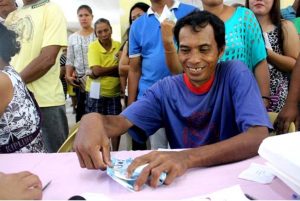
pixel 20 120
pixel 6 7
pixel 146 53
pixel 135 12
pixel 291 110
pixel 217 111
pixel 41 40
pixel 241 44
pixel 103 82
pixel 280 37
pixel 77 61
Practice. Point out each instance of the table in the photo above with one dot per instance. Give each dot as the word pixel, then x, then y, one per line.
pixel 68 179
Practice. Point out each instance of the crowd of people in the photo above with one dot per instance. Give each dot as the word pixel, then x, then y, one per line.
pixel 203 80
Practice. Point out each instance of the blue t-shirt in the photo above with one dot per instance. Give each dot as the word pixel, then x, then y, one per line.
pixel 244 39
pixel 145 40
pixel 288 13
pixel 231 106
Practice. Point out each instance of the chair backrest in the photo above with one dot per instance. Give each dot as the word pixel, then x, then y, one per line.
pixel 68 144
pixel 273 116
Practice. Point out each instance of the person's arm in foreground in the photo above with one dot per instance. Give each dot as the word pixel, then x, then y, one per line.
pixel 262 76
pixel 175 164
pixel 93 136
pixel 20 186
pixel 92 148
pixel 169 47
pixel 290 111
pixel 39 66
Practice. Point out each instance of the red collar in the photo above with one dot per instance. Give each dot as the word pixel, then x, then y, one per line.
pixel 204 88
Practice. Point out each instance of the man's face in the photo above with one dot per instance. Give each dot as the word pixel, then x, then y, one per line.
pixel 198 53
pixel 6 7
pixel 103 32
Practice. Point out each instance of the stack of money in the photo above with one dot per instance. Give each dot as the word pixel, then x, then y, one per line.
pixel 118 172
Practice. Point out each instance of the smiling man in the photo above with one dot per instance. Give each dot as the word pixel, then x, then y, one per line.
pixel 215 109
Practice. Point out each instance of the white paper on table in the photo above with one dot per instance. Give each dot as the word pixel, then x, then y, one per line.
pixel 95 90
pixel 258 173
pixel 167 14
pixel 226 194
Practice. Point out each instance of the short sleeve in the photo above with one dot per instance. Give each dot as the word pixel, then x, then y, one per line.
pixel 93 57
pixel 247 100
pixel 255 41
pixel 55 28
pixel 146 113
pixel 134 45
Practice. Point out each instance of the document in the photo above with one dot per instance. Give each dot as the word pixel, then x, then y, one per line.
pixel 167 14
pixel 95 90
pixel 258 173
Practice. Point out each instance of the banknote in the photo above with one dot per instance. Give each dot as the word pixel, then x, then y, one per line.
pixel 118 172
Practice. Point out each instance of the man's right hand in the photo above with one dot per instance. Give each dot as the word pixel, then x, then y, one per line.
pixel 72 81
pixel 288 114
pixel 91 144
pixel 71 76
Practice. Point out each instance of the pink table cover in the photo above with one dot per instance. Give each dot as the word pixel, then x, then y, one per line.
pixel 68 179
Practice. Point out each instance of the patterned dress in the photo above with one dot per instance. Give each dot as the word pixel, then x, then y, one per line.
pixel 20 123
pixel 279 80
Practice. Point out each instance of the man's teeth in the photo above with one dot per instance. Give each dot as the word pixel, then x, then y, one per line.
pixel 195 69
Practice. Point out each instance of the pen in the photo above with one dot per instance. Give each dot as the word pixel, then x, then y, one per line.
pixel 46 185
pixel 295 196
pixel 249 197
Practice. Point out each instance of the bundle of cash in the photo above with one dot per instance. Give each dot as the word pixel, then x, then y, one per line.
pixel 118 172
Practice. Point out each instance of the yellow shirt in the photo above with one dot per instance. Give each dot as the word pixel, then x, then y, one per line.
pixel 98 56
pixel 40 25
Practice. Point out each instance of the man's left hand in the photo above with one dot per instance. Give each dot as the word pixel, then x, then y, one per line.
pixel 172 162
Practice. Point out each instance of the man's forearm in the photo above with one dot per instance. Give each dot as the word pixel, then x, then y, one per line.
pixel 37 69
pixel 116 125
pixel 39 66
pixel 172 59
pixel 99 71
pixel 240 147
